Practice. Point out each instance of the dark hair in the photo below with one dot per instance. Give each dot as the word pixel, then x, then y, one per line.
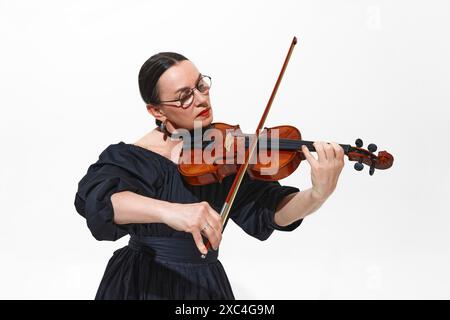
pixel 150 73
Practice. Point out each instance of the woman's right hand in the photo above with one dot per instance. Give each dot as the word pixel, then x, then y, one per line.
pixel 197 219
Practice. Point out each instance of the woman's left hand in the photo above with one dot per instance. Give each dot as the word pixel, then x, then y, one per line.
pixel 326 169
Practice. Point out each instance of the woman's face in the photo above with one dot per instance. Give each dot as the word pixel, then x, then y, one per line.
pixel 178 79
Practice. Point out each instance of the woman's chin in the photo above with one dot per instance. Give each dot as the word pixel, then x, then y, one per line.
pixel 206 121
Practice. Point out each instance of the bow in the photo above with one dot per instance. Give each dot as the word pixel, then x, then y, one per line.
pixel 224 212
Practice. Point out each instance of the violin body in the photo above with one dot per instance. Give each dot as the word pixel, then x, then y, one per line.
pixel 223 149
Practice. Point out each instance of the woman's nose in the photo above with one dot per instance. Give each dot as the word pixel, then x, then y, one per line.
pixel 199 98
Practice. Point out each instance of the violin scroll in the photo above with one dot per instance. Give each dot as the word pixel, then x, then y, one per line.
pixel 383 160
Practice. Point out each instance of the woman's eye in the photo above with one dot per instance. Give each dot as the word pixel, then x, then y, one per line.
pixel 184 96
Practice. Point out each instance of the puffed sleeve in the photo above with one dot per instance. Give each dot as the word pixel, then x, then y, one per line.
pixel 255 204
pixel 93 197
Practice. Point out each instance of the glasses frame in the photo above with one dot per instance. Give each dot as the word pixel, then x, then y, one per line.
pixel 191 93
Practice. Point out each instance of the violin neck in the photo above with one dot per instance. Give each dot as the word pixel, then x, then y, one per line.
pixel 291 144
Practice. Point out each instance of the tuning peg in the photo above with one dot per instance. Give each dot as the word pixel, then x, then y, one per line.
pixel 359 143
pixel 372 169
pixel 372 147
pixel 358 166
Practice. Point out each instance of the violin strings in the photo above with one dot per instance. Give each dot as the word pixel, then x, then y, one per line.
pixel 283 144
pixel 292 144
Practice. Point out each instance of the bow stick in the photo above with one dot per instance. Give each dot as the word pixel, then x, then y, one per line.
pixel 249 153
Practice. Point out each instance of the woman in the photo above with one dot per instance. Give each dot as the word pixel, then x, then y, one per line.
pixel 136 189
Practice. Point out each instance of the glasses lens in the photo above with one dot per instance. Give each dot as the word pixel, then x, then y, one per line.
pixel 186 98
pixel 204 84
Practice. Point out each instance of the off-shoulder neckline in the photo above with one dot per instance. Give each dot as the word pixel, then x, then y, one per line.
pixel 148 150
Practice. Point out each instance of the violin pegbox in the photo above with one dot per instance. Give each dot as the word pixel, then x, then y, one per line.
pixel 383 160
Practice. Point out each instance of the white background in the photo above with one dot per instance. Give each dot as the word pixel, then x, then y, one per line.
pixel 377 70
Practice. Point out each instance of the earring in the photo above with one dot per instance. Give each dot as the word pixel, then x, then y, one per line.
pixel 162 126
pixel 163 129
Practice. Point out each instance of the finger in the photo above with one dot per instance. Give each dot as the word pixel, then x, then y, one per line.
pixel 338 150
pixel 212 235
pixel 329 151
pixel 308 156
pixel 211 217
pixel 320 151
pixel 199 242
pixel 339 154
pixel 214 219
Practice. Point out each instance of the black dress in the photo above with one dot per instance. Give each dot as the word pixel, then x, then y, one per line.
pixel 160 262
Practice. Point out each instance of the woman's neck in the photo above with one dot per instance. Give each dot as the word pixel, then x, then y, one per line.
pixel 154 141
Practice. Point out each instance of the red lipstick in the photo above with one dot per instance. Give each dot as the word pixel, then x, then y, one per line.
pixel 204 113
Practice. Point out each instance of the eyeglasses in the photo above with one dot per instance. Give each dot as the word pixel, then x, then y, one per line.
pixel 187 96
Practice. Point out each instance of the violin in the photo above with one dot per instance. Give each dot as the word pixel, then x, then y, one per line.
pixel 223 143
pixel 287 144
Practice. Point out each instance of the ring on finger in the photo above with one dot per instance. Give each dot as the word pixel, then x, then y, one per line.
pixel 205 226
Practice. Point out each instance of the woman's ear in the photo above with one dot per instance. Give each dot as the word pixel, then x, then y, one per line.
pixel 156 112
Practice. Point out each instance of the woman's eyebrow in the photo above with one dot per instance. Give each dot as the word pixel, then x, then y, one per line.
pixel 196 82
